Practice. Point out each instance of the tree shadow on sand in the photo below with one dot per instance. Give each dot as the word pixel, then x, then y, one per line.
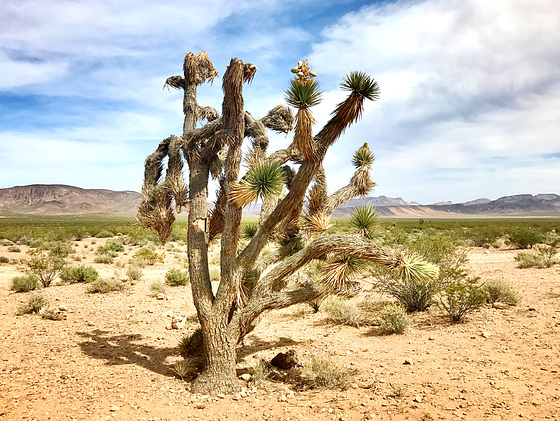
pixel 126 349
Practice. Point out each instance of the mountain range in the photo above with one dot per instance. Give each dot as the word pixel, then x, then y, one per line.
pixel 55 199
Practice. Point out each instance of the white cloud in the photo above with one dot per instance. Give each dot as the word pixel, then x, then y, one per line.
pixel 468 87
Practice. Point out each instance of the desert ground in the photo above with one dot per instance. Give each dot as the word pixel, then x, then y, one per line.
pixel 112 357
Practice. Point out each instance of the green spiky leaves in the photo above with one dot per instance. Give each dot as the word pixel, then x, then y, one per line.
pixel 366 221
pixel 264 180
pixel 363 156
pixel 361 84
pixel 415 268
pixel 343 269
pixel 303 94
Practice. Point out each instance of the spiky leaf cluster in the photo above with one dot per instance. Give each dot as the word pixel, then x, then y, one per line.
pixel 362 85
pixel 366 221
pixel 415 268
pixel 342 269
pixel 264 180
pixel 303 94
pixel 363 156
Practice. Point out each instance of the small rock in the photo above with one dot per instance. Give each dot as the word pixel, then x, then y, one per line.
pixel 90 323
pixel 282 398
pixel 150 310
pixel 485 335
pixel 245 376
pixel 500 306
pixel 407 361
pixel 178 322
pixel 417 399
pixel 431 338
pixel 113 408
pixel 63 307
pixel 160 296
pixel 221 396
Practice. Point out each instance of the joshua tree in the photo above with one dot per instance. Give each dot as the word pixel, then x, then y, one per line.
pixel 296 206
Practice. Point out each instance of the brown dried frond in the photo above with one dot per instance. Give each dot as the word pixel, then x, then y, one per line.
pixel 341 270
pixel 216 225
pixel 362 181
pixel 289 175
pixel 176 82
pixel 315 198
pixel 253 157
pixel 206 113
pixel 205 68
pixel 242 194
pixel 155 211
pixel 303 139
pixel 317 223
pixel 249 70
pixel 279 119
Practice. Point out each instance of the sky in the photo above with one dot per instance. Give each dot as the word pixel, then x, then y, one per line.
pixel 470 89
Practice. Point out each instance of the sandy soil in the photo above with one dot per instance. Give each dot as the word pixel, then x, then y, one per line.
pixel 111 358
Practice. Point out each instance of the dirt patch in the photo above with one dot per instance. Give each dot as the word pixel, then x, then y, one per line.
pixel 112 357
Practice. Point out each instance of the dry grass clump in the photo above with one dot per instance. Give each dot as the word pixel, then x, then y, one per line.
pixel 188 368
pixel 343 312
pixel 324 374
pixel 157 288
pixel 134 273
pixel 543 257
pixel 25 283
pixel 500 291
pixel 393 319
pixel 104 258
pixel 103 286
pixel 34 304
pixel 50 314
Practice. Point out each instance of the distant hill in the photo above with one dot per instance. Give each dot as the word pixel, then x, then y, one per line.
pixel 48 199
pixel 56 199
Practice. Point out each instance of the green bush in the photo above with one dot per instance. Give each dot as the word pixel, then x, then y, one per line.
pixel 4 259
pixel 461 298
pixel 343 312
pixel 33 305
pixel 45 267
pixel 148 255
pixel 111 247
pixel 14 249
pixel 414 294
pixel 80 273
pixel 393 319
pixel 103 286
pixel 525 237
pixel 542 257
pixel 500 291
pixel 60 249
pixel 25 283
pixel 176 277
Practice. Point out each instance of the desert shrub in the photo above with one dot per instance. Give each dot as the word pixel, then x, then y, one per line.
pixel 260 372
pixel 4 259
pixel 80 273
pixel 33 305
pixel 552 238
pixel 188 368
pixel 50 314
pixel 324 374
pixel 414 294
pixel 393 319
pixel 111 246
pixel 542 257
pixel 524 237
pixel 134 273
pixel 157 288
pixel 461 298
pixel 500 291
pixel 6 242
pixel 343 312
pixel 148 255
pixel 14 249
pixel 105 234
pixel 104 258
pixel 25 283
pixel 60 249
pixel 103 286
pixel 176 277
pixel 45 267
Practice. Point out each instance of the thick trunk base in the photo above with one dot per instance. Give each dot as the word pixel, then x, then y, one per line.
pixel 213 383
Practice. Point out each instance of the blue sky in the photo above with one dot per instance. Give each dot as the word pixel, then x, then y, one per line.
pixel 470 89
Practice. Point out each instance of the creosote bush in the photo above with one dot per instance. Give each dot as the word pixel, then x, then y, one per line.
pixel 80 273
pixel 44 266
pixel 25 283
pixel 103 286
pixel 461 298
pixel 4 259
pixel 500 291
pixel 176 277
pixel 393 319
pixel 111 248
pixel 104 234
pixel 343 312
pixel 34 304
pixel 148 255
pixel 542 257
pixel 104 258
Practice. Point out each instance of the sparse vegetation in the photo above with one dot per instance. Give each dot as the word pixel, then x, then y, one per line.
pixel 543 256
pixel 34 304
pixel 148 256
pixel 134 273
pixel 25 283
pixel 463 297
pixel 176 277
pixel 320 373
pixel 157 288
pixel 393 319
pixel 4 259
pixel 105 234
pixel 44 266
pixel 103 286
pixel 104 258
pixel 341 311
pixel 500 291
pixel 14 249
pixel 80 273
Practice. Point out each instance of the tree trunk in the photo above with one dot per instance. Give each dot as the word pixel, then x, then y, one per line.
pixel 219 373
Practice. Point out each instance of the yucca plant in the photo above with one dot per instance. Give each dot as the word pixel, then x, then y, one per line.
pixel 366 221
pixel 252 282
pixel 250 230
pixel 263 181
